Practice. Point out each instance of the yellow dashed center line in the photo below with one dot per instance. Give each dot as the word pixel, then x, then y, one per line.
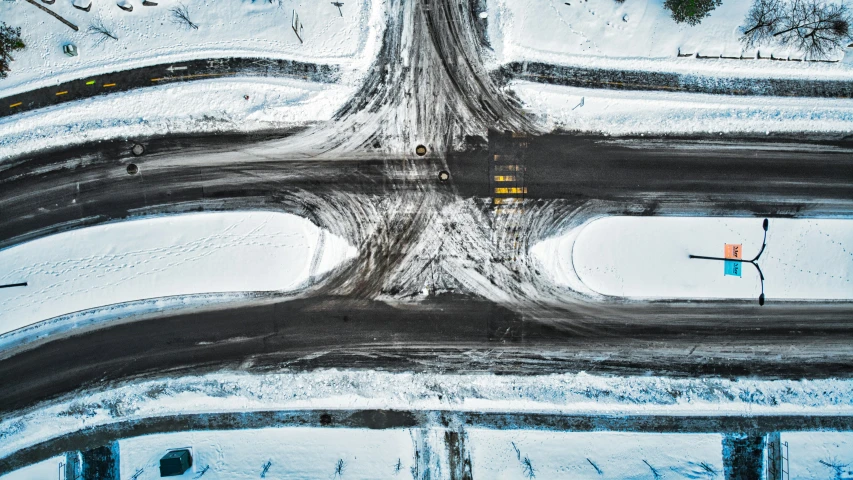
pixel 90 82
pixel 15 105
pixel 109 85
pixel 61 93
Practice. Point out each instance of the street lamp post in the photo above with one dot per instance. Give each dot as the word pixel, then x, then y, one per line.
pixel 753 261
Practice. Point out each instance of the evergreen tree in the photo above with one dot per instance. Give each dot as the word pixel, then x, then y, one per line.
pixel 691 11
pixel 10 41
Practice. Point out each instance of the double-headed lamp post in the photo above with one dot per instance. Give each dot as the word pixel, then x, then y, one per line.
pixel 753 261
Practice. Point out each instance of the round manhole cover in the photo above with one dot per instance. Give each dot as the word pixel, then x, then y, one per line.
pixel 444 175
pixel 420 150
pixel 138 149
pixel 132 169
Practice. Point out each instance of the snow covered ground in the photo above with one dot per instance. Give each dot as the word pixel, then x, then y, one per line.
pixel 647 257
pixel 200 106
pixel 500 454
pixel 162 256
pixel 292 453
pixel 806 451
pixel 621 112
pixel 148 36
pixel 637 35
pixel 45 470
pixel 580 393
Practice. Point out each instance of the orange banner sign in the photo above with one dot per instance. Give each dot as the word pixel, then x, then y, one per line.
pixel 733 251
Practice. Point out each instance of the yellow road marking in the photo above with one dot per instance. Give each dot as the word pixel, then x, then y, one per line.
pixel 507 168
pixel 15 105
pixel 109 85
pixel 507 201
pixel 504 178
pixel 193 76
pixel 497 157
pixel 511 190
pixel 61 93
pixel 90 82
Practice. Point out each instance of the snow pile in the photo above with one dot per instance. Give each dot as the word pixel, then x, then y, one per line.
pixel 647 257
pixel 199 106
pixel 621 112
pixel 582 394
pixel 162 256
pixel 150 35
pixel 636 35
pixel 594 455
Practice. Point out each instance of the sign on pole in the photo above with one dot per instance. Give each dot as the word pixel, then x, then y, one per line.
pixel 733 251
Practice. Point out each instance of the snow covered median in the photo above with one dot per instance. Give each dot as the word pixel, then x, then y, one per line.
pixel 205 253
pixel 622 112
pixel 350 38
pixel 648 257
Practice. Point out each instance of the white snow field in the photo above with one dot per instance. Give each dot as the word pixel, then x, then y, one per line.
pixel 45 470
pixel 202 253
pixel 637 35
pixel 807 450
pixel 647 257
pixel 621 112
pixel 499 454
pixel 200 106
pixel 149 36
pixel 293 452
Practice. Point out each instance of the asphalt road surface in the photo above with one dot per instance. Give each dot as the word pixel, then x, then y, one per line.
pixel 391 206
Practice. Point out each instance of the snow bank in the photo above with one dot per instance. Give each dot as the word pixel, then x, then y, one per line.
pixel 620 112
pixel 647 257
pixel 806 451
pixel 637 35
pixel 292 453
pixel 162 256
pixel 149 36
pixel 200 106
pixel 580 394
pixel 500 454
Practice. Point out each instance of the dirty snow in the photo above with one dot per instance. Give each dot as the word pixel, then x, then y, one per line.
pixel 149 36
pixel 200 106
pixel 162 256
pixel 637 35
pixel 647 257
pixel 621 112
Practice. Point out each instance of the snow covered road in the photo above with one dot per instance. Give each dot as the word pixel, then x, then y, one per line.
pixel 205 253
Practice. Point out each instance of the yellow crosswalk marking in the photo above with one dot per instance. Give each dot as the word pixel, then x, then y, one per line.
pixel 508 168
pixel 510 190
pixel 504 178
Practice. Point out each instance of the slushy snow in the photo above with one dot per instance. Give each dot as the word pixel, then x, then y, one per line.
pixel 162 256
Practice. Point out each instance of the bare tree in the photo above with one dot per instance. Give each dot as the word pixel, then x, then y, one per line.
pixel 339 468
pixel 100 31
pixel 761 22
pixel 815 27
pixel 181 16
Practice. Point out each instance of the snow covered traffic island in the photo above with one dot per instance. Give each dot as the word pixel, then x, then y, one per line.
pixel 649 258
pixel 127 265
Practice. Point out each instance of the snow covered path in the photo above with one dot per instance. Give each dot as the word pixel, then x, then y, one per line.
pixel 162 256
pixel 647 257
